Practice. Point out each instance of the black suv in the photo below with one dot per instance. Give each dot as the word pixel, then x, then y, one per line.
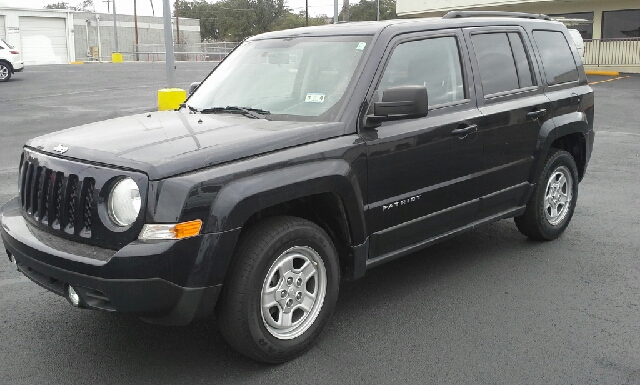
pixel 306 157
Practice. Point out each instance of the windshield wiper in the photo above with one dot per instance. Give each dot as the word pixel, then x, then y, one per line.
pixel 192 109
pixel 255 113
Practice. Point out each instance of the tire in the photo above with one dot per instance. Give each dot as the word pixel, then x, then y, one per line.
pixel 281 289
pixel 5 72
pixel 552 204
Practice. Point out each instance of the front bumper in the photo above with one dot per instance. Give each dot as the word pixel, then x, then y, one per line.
pixel 167 282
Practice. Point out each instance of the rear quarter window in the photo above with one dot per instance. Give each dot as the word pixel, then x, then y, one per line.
pixel 557 59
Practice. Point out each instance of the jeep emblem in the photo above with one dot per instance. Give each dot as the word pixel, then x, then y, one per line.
pixel 60 149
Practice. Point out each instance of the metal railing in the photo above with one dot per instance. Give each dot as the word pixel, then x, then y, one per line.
pixel 617 52
pixel 213 52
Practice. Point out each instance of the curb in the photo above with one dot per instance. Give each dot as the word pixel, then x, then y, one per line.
pixel 602 73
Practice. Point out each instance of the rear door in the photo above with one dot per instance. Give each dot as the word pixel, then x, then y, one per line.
pixel 566 86
pixel 423 177
pixel 514 107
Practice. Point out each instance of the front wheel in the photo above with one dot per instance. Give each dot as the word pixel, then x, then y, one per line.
pixel 281 289
pixel 551 206
pixel 5 72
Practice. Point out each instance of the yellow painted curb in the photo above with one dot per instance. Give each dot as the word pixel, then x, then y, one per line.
pixel 116 57
pixel 602 73
pixel 171 98
pixel 77 62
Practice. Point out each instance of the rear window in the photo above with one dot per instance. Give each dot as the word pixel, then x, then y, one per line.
pixel 7 44
pixel 557 59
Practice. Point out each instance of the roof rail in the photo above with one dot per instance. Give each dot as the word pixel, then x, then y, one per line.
pixel 461 14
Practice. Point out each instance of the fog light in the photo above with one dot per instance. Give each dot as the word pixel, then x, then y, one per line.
pixel 74 298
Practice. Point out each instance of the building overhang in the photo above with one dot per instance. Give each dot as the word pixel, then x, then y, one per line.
pixel 439 7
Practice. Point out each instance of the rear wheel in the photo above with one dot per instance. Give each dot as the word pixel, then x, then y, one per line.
pixel 5 72
pixel 551 206
pixel 281 289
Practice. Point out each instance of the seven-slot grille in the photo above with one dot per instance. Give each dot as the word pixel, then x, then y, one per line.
pixel 62 202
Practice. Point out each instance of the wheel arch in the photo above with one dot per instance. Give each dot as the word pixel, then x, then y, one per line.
pixel 326 193
pixel 567 132
pixel 4 61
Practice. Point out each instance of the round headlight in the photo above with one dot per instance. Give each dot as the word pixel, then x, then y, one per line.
pixel 124 202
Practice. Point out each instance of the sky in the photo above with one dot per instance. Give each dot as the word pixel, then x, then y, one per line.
pixel 316 7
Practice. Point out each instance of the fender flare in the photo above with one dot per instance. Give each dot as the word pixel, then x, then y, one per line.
pixel 552 129
pixel 241 198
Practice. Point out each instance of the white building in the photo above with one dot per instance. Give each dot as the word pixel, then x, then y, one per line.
pixel 614 25
pixel 51 36
pixel 41 36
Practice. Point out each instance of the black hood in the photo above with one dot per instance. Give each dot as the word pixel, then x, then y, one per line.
pixel 163 144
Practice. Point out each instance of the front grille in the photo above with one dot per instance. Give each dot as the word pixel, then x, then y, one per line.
pixel 62 202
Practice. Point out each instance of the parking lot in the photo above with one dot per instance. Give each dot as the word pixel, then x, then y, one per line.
pixel 488 307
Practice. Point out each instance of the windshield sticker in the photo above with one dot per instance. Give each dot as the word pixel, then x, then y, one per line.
pixel 313 97
pixel 361 46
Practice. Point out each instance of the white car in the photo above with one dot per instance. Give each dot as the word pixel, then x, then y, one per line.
pixel 10 61
pixel 577 38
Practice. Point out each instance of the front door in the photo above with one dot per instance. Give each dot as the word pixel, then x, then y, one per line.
pixel 423 173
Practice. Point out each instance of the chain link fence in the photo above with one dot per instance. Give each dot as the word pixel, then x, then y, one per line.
pixel 213 52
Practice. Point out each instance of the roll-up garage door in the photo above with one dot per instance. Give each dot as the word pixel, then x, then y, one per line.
pixel 44 40
pixel 2 30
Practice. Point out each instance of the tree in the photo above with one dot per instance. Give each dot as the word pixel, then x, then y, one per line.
pixel 234 20
pixel 368 9
pixel 85 5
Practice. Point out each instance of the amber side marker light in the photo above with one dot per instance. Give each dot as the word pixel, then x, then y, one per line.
pixel 171 231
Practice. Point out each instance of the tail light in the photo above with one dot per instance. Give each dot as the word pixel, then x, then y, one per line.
pixel 14 52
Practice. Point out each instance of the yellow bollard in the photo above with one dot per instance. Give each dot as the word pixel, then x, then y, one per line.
pixel 171 98
pixel 116 57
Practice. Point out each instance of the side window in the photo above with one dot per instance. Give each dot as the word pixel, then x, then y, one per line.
pixel 523 64
pixel 557 59
pixel 433 63
pixel 496 63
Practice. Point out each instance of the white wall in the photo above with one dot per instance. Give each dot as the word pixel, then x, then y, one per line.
pixel 430 8
pixel 12 26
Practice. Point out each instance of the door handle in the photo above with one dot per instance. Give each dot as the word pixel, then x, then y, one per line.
pixel 537 114
pixel 464 131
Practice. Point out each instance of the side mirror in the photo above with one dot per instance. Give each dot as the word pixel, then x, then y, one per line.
pixel 193 87
pixel 401 103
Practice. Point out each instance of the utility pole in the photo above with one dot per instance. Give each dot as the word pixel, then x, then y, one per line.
pixel 99 40
pixel 135 23
pixel 115 27
pixel 378 14
pixel 306 12
pixel 346 10
pixel 168 44
pixel 177 24
pixel 335 11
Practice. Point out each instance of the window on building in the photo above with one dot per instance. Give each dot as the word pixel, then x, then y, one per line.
pixel 586 28
pixel 621 24
pixel 432 63
pixel 503 62
pixel 557 59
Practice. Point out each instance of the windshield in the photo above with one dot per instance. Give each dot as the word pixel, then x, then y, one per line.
pixel 301 78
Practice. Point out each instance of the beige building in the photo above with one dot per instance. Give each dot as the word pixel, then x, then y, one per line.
pixel 614 25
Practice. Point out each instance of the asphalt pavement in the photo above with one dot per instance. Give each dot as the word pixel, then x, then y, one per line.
pixel 488 307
